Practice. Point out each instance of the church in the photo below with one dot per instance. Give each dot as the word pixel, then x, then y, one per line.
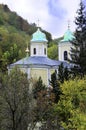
pixel 38 64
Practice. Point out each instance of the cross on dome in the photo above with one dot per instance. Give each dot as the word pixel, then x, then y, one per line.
pixel 38 23
pixel 68 24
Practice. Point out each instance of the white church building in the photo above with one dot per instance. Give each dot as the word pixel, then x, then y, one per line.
pixel 38 64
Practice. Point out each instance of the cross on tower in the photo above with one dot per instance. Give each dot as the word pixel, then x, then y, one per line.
pixel 38 22
pixel 68 24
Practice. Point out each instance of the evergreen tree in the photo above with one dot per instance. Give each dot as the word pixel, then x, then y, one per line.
pixel 38 87
pixel 78 51
pixel 57 79
pixel 66 74
pixel 56 86
pixel 63 73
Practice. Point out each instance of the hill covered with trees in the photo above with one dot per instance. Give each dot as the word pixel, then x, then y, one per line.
pixel 15 34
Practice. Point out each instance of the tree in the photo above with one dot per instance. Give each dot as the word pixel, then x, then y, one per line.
pixel 41 107
pixel 43 112
pixel 71 108
pixel 63 73
pixel 53 51
pixel 38 87
pixel 55 84
pixel 57 79
pixel 66 74
pixel 48 35
pixel 14 100
pixel 78 51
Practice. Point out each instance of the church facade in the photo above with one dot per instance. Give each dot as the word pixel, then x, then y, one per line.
pixel 38 64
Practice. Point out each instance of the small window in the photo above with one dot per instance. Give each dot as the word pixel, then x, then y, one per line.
pixel 65 55
pixel 34 51
pixel 45 51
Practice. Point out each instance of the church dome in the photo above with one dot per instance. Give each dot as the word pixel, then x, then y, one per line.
pixel 39 36
pixel 68 36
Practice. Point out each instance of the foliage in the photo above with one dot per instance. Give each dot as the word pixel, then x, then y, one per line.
pixel 78 51
pixel 11 46
pixel 14 101
pixel 11 49
pixel 72 104
pixel 63 73
pixel 57 79
pixel 44 113
pixel 57 40
pixel 48 35
pixel 38 87
pixel 53 51
pixel 55 84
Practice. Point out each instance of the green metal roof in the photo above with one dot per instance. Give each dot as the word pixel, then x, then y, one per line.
pixel 68 36
pixel 39 36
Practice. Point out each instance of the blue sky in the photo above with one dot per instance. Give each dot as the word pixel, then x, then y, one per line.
pixel 52 14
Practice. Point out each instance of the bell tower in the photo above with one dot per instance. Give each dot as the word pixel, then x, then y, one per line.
pixel 38 44
pixel 65 45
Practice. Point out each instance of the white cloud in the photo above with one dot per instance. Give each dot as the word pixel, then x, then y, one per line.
pixel 53 16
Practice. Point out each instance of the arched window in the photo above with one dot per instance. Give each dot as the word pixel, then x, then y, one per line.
pixel 65 55
pixel 45 51
pixel 34 51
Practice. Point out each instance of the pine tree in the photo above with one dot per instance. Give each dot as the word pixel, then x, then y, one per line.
pixel 66 74
pixel 56 86
pixel 78 51
pixel 61 73
pixel 38 87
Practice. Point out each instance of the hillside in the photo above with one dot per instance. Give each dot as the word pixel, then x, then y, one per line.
pixel 15 34
pixel 8 17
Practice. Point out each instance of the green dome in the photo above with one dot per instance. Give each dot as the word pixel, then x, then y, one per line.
pixel 39 36
pixel 68 36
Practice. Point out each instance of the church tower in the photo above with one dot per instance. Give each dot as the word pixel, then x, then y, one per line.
pixel 65 45
pixel 38 44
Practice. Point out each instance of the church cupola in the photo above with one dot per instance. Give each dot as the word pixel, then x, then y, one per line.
pixel 68 36
pixel 38 45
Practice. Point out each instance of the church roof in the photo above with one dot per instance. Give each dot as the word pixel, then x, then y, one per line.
pixel 39 36
pixel 68 36
pixel 40 61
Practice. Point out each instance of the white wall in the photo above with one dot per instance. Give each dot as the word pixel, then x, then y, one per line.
pixel 66 46
pixel 39 49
